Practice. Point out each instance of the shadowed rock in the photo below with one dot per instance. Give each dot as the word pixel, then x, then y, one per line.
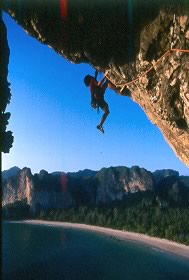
pixel 124 39
pixel 6 138
pixel 106 186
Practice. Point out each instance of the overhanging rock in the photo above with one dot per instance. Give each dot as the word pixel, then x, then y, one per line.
pixel 123 39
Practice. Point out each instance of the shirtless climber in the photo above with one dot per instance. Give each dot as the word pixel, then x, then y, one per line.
pixel 97 96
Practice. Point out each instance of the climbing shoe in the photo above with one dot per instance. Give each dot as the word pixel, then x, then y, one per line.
pixel 100 128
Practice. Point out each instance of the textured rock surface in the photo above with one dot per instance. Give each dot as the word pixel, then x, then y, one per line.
pixel 159 175
pixel 40 190
pixel 17 186
pixel 185 180
pixel 124 39
pixel 7 174
pixel 175 189
pixel 116 182
pixel 61 190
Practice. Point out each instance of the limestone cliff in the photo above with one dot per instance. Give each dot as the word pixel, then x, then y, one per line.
pixel 124 39
pixel 17 186
pixel 160 175
pixel 39 190
pixel 116 182
pixel 61 190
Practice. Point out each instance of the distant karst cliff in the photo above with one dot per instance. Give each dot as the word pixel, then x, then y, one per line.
pixel 124 39
pixel 115 183
pixel 60 190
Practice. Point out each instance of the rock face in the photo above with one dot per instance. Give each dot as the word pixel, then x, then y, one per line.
pixel 39 190
pixel 61 190
pixel 13 171
pixel 116 182
pixel 124 39
pixel 185 180
pixel 17 186
pixel 174 189
pixel 6 137
pixel 159 175
pixel 50 191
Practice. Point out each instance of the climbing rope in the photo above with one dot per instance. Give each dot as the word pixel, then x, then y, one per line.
pixel 179 50
pixel 146 72
pixel 152 67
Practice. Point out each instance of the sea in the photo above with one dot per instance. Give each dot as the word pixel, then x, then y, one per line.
pixel 42 252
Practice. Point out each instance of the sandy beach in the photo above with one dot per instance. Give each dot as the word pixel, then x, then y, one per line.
pixel 161 244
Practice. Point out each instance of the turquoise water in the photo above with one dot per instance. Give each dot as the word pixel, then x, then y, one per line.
pixel 35 252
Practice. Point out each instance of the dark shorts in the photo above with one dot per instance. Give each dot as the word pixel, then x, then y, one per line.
pixel 102 104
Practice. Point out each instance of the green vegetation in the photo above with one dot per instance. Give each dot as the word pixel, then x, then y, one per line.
pixel 142 213
pixel 16 211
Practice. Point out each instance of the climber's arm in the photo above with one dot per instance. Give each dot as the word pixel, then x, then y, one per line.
pixel 96 74
pixel 101 81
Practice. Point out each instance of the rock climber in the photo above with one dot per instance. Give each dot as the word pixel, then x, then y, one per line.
pixel 97 96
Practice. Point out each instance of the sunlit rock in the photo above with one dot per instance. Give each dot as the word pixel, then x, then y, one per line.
pixel 124 39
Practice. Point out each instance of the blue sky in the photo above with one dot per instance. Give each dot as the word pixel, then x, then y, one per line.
pixel 54 126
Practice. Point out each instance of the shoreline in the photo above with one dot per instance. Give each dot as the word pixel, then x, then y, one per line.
pixel 154 242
